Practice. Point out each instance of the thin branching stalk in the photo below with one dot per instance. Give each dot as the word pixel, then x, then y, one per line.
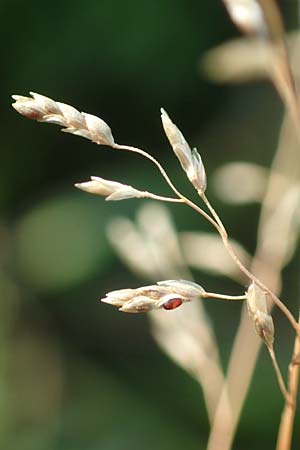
pixel 164 199
pixel 285 432
pixel 91 127
pixel 223 297
pixel 224 235
pixel 252 277
pixel 167 178
pixel 219 226
pixel 280 379
pixel 283 83
pixel 213 212
pixel 269 265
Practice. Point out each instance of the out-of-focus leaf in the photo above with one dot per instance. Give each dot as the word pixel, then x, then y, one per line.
pixel 186 335
pixel 237 61
pixel 277 237
pixel 205 251
pixel 240 182
pixel 163 236
pixel 60 242
pixel 132 247
pixel 246 59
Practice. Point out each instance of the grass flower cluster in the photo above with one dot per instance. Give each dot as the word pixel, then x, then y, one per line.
pixel 259 20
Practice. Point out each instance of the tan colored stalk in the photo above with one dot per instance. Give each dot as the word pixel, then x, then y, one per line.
pixel 269 259
pixel 166 177
pixel 280 379
pixel 281 70
pixel 285 433
pixel 238 387
pixel 223 297
pixel 224 236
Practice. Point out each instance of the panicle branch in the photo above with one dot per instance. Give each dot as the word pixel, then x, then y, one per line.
pixel 168 294
pixel 44 109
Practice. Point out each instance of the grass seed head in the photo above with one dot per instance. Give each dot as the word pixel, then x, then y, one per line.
pixel 166 295
pixel 44 109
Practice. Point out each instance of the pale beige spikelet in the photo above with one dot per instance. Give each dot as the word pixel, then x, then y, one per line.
pixel 197 174
pixel 177 140
pixel 190 161
pixel 258 311
pixel 99 130
pixel 43 109
pixel 37 108
pixel 183 287
pixel 112 190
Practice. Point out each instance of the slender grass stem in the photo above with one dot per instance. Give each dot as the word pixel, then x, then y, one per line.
pixel 279 375
pixel 162 198
pixel 213 212
pixel 167 178
pixel 223 296
pixel 286 426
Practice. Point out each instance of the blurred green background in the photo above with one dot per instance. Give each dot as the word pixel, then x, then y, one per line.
pixel 76 374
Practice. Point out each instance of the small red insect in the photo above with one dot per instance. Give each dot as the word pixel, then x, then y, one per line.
pixel 172 303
